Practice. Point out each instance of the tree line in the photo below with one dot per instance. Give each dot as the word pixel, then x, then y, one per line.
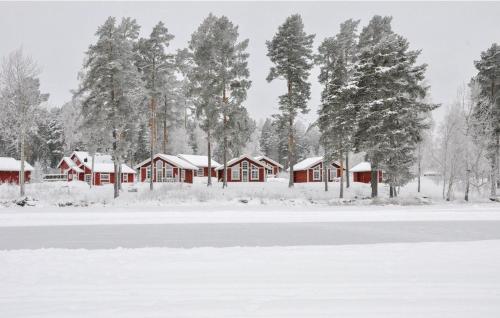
pixel 136 97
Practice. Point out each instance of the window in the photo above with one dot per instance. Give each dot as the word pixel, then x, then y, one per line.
pixel 200 172
pixel 88 177
pixel 104 177
pixel 235 172
pixel 124 177
pixel 316 174
pixel 159 171
pixel 255 173
pixel 183 174
pixel 169 172
pixel 148 173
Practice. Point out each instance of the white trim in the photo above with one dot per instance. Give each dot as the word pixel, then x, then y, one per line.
pixel 252 169
pixel 235 168
pixel 315 170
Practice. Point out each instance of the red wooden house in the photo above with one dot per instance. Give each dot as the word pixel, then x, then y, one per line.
pixel 10 169
pixel 273 168
pixel 201 162
pixel 78 166
pixel 311 170
pixel 167 168
pixel 243 169
pixel 362 172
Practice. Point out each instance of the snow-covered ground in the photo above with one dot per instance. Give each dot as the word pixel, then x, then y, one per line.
pixel 273 192
pixel 431 280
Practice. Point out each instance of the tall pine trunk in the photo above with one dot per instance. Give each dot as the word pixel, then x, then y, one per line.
pixel 494 166
pixel 21 172
pixel 224 145
pixel 341 195
pixel 115 184
pixel 92 173
pixel 325 172
pixel 347 178
pixel 374 179
pixel 419 167
pixel 290 137
pixel 209 150
pixel 152 141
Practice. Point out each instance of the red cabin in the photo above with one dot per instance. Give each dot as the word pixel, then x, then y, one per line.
pixel 362 172
pixel 167 168
pixel 311 170
pixel 10 169
pixel 243 169
pixel 201 163
pixel 78 166
pixel 273 168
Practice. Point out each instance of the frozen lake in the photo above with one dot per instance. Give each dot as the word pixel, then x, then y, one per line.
pixel 191 235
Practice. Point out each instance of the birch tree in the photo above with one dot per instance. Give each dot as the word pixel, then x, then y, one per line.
pixel 20 97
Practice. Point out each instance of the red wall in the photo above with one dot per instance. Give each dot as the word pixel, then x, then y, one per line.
pixel 365 176
pixel 276 169
pixel 229 172
pixel 205 172
pixel 13 176
pixel 301 176
pixel 176 171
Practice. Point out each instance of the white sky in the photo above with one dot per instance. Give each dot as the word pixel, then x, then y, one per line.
pixel 451 36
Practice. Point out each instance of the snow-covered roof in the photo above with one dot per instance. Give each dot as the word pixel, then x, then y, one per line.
pixel 234 160
pixel 82 155
pixel 107 167
pixel 198 161
pixel 75 168
pixel 362 167
pixel 11 164
pixel 174 160
pixel 259 158
pixel 307 163
pixel 68 161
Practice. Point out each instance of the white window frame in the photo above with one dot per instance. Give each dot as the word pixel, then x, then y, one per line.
pixel 88 178
pixel 254 168
pixel 183 174
pixel 148 172
pixel 169 170
pixel 235 172
pixel 318 171
pixel 200 172
pixel 124 177
pixel 106 180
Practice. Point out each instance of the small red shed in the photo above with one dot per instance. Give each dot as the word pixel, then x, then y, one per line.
pixel 10 169
pixel 167 168
pixel 243 169
pixel 362 172
pixel 273 168
pixel 311 170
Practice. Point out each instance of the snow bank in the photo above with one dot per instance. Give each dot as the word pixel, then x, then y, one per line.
pixel 273 192
pixel 432 280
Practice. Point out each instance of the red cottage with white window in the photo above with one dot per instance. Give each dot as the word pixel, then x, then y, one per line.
pixel 78 166
pixel 362 172
pixel 167 168
pixel 10 169
pixel 201 163
pixel 273 168
pixel 311 170
pixel 243 169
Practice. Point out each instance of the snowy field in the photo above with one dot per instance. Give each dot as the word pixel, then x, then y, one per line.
pixel 256 251
pixel 380 280
pixel 273 192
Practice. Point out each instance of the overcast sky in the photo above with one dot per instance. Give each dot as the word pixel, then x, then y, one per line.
pixel 450 35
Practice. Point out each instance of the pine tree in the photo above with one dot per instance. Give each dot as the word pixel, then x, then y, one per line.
pixel 154 64
pixel 111 87
pixel 20 98
pixel 291 52
pixel 390 95
pixel 337 113
pixel 488 107
pixel 218 76
pixel 266 138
